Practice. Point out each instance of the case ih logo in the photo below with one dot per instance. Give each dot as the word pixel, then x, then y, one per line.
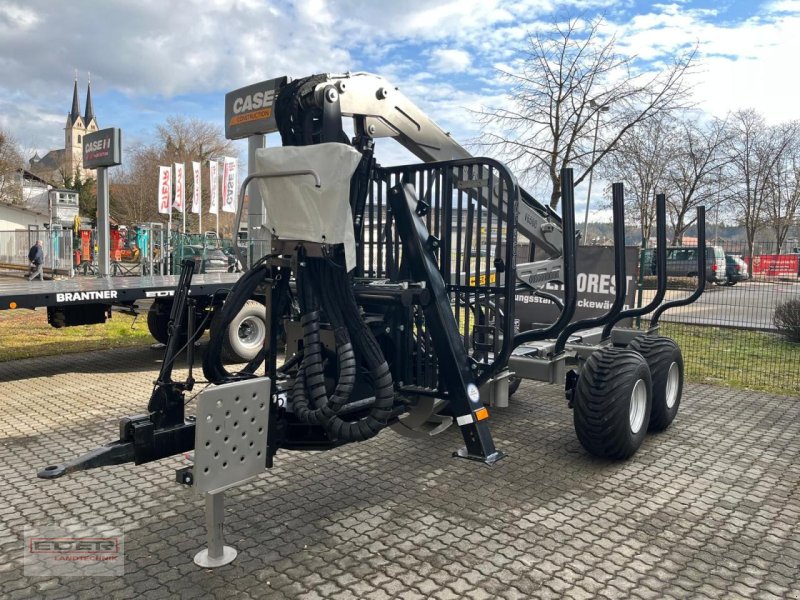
pixel 98 145
pixel 102 148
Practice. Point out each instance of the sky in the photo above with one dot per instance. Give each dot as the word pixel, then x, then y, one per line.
pixel 150 59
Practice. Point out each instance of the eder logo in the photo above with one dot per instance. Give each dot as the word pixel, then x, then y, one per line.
pixel 74 545
pixel 74 551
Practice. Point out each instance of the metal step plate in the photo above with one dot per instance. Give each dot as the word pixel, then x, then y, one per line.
pixel 231 434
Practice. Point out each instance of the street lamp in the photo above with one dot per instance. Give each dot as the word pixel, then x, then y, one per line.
pixel 600 109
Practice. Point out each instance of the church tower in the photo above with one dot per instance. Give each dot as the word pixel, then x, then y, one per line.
pixel 77 127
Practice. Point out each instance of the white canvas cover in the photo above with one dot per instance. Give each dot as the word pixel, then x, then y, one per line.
pixel 295 208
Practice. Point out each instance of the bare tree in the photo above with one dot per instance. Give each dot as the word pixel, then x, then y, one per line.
pixel 783 189
pixel 10 164
pixel 570 76
pixel 696 159
pixel 133 189
pixel 183 139
pixel 179 140
pixel 641 161
pixel 754 150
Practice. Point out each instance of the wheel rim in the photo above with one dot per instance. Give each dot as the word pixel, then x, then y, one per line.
pixel 638 405
pixel 251 332
pixel 673 379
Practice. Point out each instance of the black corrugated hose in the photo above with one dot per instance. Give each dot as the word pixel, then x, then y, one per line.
pixel 332 286
pixel 242 291
pixel 310 375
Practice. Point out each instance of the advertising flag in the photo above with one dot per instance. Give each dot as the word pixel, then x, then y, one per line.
pixel 180 187
pixel 213 193
pixel 197 187
pixel 164 190
pixel 229 181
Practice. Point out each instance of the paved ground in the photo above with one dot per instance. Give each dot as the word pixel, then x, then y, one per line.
pixel 708 509
pixel 748 304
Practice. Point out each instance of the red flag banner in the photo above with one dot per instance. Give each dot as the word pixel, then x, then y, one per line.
pixel 213 191
pixel 197 189
pixel 180 187
pixel 164 190
pixel 229 184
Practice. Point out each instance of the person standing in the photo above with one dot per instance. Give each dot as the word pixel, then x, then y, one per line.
pixel 36 256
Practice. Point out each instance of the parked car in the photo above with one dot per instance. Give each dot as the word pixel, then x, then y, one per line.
pixel 682 262
pixel 207 260
pixel 735 269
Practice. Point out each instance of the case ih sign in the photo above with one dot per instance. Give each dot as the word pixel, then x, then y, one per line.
pixel 102 148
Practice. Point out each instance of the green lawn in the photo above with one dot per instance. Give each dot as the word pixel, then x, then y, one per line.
pixel 720 356
pixel 27 334
pixel 737 358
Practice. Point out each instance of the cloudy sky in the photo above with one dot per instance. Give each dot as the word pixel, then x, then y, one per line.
pixel 149 59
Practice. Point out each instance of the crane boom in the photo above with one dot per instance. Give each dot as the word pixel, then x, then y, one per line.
pixel 380 110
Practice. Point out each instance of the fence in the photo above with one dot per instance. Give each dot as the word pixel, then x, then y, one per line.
pixel 729 335
pixel 139 253
pixel 57 246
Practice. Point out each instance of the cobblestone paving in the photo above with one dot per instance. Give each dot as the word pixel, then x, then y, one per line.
pixel 709 508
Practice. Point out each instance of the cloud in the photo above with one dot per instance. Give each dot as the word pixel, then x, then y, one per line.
pixel 788 6
pixel 449 60
pixel 742 61
pixel 421 20
pixel 150 59
pixel 15 17
pixel 151 52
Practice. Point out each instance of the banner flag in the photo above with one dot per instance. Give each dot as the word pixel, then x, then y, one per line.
pixel 180 187
pixel 213 193
pixel 197 190
pixel 229 183
pixel 164 189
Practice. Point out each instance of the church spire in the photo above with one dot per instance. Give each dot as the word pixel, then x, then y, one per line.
pixel 89 107
pixel 76 107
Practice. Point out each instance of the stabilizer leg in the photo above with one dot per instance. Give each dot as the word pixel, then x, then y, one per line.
pixel 454 362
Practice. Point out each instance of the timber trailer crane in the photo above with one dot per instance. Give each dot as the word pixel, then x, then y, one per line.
pixel 390 292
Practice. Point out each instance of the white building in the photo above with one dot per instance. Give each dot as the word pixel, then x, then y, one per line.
pixel 27 203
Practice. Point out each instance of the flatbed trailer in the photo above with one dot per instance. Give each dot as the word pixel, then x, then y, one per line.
pixel 105 291
pixel 87 301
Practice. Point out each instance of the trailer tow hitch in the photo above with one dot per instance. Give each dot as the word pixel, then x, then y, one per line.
pixel 164 431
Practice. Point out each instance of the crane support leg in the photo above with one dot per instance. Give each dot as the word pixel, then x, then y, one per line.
pixel 454 362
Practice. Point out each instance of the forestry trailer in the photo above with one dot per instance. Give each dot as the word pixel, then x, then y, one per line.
pixel 390 298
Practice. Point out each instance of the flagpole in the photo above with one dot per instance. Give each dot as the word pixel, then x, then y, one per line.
pixel 169 241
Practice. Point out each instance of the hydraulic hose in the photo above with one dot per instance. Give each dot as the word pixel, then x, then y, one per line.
pixel 213 367
pixel 354 343
pixel 310 376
